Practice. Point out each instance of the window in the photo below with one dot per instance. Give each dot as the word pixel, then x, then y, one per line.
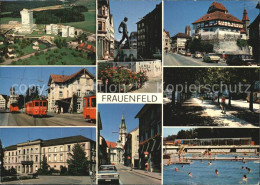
pixel 78 92
pixel 68 148
pixel 55 157
pixel 60 94
pixel 44 104
pixel 78 105
pixel 40 103
pixel 36 104
pixel 55 149
pixel 49 158
pixel 31 150
pixel 93 102
pixel 61 157
pixel 49 149
pixel 36 158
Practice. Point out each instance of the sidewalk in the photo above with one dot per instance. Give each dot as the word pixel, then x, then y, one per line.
pixel 154 175
pixel 227 119
pixel 153 85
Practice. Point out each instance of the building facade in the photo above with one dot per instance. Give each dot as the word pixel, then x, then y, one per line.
pixel 254 38
pixel 150 132
pixel 133 40
pixel 131 155
pixel 26 157
pixel 149 31
pixel 105 30
pixel 3 102
pixel 27 21
pixel 179 41
pixel 66 90
pixel 166 41
pixel 115 152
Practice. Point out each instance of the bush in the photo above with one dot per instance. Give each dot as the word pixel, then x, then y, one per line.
pixel 114 76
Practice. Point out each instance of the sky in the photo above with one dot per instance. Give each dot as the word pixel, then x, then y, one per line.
pixel 133 9
pixel 172 131
pixel 12 136
pixel 178 14
pixel 32 76
pixel 111 115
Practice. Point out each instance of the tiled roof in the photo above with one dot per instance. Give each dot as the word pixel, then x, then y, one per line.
pixel 111 144
pixel 65 140
pixel 181 35
pixel 218 6
pixel 64 78
pixel 217 15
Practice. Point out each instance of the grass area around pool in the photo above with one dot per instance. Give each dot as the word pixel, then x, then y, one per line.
pixel 63 56
pixel 88 25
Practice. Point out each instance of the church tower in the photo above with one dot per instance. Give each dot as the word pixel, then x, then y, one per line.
pixel 122 131
pixel 245 20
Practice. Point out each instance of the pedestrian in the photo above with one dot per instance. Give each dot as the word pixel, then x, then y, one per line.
pixel 202 99
pixel 146 167
pixel 223 104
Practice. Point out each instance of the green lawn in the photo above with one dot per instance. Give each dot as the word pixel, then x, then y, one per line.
pixel 28 49
pixel 5 20
pixel 62 56
pixel 88 25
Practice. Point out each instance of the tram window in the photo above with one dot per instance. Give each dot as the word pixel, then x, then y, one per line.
pixel 36 104
pixel 88 104
pixel 44 104
pixel 84 103
pixel 93 102
pixel 40 103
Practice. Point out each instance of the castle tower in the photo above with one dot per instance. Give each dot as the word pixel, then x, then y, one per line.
pixel 27 21
pixel 122 131
pixel 245 20
pixel 188 30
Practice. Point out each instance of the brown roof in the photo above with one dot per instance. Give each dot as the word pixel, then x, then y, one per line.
pixel 167 33
pixel 65 140
pixel 218 6
pixel 217 15
pixel 65 78
pixel 181 35
pixel 245 16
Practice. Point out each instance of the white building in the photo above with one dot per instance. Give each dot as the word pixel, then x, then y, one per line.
pixel 179 41
pixel 63 87
pixel 26 157
pixel 3 102
pixel 65 31
pixel 71 32
pixel 27 22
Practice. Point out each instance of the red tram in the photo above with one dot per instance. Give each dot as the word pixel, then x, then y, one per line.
pixel 36 108
pixel 89 108
pixel 14 108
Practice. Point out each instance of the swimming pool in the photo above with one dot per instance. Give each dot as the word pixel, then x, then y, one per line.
pixel 230 172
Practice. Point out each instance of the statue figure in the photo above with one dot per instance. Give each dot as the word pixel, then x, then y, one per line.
pixel 125 32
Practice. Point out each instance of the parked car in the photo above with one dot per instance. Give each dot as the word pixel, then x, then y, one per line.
pixel 107 174
pixel 211 57
pixel 240 59
pixel 187 53
pixel 182 52
pixel 197 55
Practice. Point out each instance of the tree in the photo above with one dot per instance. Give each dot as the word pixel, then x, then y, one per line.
pixel 78 163
pixel 44 170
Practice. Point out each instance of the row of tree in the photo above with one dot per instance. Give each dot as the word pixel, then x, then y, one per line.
pixel 203 77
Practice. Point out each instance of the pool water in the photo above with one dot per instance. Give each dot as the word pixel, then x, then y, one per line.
pixel 230 172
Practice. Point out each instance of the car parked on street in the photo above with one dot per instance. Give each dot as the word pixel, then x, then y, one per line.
pixel 107 174
pixel 182 52
pixel 240 59
pixel 197 55
pixel 187 53
pixel 211 57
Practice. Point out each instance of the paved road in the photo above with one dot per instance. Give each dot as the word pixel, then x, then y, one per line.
pixel 180 60
pixel 21 119
pixel 9 61
pixel 129 177
pixel 55 180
